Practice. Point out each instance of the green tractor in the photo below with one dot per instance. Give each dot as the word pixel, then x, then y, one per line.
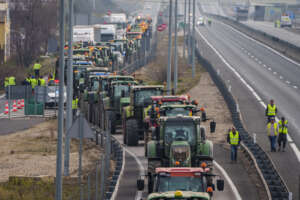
pixel 118 97
pixel 181 183
pixel 180 142
pixel 133 115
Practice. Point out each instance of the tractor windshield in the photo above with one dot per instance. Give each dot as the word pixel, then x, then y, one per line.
pixel 180 131
pixel 177 111
pixel 143 97
pixel 119 88
pixel 183 183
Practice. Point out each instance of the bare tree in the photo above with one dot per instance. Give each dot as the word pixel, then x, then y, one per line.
pixel 33 23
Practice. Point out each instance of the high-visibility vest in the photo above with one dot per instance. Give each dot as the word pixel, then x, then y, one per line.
pixel 283 127
pixel 33 82
pixel 12 80
pixel 28 80
pixel 234 138
pixel 42 82
pixel 81 80
pixel 271 110
pixel 37 66
pixel 275 128
pixel 75 103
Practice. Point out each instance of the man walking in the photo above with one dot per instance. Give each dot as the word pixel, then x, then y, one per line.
pixel 233 138
pixel 272 129
pixel 36 68
pixel 283 131
pixel 271 110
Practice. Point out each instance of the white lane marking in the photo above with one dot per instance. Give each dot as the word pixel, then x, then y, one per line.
pixel 120 177
pixel 264 65
pixel 288 82
pixel 252 56
pixel 295 149
pixel 297 153
pixel 139 194
pixel 256 59
pixel 280 77
pixel 257 42
pixel 274 73
pixel 231 184
pixel 260 62
pixel 249 53
pixel 295 87
pixel 270 69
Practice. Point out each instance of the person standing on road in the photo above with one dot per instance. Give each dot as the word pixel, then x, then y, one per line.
pixel 283 131
pixel 271 110
pixel 41 81
pixel 74 106
pixel 272 129
pixel 11 80
pixel 36 68
pixel 234 139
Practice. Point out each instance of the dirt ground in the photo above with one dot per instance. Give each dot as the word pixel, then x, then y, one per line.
pixel 209 97
pixel 32 152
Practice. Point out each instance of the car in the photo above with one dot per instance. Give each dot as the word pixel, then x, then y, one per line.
pixel 200 21
pixel 52 98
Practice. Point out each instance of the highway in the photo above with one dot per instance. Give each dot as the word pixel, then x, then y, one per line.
pixel 270 76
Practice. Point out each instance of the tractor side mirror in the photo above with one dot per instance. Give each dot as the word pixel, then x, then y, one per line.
pixel 123 93
pixel 140 184
pixel 203 116
pixel 220 184
pixel 202 133
pixel 212 126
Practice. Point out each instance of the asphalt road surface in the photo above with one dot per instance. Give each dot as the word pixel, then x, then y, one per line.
pixel 271 76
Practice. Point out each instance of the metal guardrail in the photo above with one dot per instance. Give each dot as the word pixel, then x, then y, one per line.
pixel 276 185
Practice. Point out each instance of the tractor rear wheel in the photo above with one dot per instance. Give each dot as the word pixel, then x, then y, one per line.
pixel 132 134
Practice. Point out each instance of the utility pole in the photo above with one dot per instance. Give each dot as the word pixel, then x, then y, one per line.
pixel 175 50
pixel 169 50
pixel 58 194
pixel 193 42
pixel 189 32
pixel 184 29
pixel 69 117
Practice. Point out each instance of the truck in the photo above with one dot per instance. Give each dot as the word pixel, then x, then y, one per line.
pixel 107 32
pixel 83 33
pixel 285 21
pixel 181 183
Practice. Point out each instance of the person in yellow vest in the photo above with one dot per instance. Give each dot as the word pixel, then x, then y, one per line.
pixel 271 110
pixel 41 82
pixel 74 106
pixel 5 82
pixel 11 80
pixel 272 130
pixel 33 82
pixel 283 131
pixel 36 68
pixel 234 139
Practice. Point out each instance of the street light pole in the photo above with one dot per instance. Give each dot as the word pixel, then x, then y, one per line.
pixel 61 105
pixel 184 29
pixel 69 117
pixel 189 32
pixel 175 50
pixel 193 42
pixel 169 50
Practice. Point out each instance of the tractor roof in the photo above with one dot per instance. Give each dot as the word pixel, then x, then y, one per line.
pixel 180 118
pixel 175 195
pixel 97 69
pixel 170 98
pixel 123 82
pixel 137 87
pixel 180 171
pixel 120 76
pixel 178 106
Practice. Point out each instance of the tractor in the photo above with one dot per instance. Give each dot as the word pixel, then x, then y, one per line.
pixel 118 98
pixel 179 142
pixel 133 115
pixel 181 183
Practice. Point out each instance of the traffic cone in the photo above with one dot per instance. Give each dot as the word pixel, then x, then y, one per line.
pixel 22 103
pixel 19 104
pixel 6 110
pixel 14 107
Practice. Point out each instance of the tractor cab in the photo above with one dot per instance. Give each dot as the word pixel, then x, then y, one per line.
pixel 181 183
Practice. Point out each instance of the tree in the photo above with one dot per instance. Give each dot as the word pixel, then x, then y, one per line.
pixel 33 22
